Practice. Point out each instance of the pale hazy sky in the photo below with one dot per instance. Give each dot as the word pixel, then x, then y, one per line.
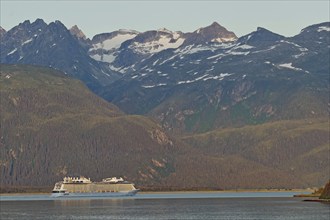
pixel 242 17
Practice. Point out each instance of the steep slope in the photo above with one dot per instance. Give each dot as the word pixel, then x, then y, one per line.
pixel 52 45
pixel 80 36
pixel 52 125
pixel 77 32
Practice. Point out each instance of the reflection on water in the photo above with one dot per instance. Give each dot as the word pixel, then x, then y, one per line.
pixel 88 202
pixel 188 206
pixel 68 203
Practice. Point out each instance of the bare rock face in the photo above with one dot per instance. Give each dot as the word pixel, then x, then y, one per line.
pixel 213 33
pixel 74 30
pixel 160 137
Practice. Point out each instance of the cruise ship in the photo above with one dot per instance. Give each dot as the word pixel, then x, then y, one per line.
pixel 84 187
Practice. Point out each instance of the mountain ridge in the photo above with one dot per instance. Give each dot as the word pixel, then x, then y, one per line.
pixel 54 46
pixel 186 86
pixel 229 84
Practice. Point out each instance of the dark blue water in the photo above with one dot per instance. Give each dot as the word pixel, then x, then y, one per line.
pixel 166 206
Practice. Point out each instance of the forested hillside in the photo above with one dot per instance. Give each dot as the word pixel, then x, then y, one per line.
pixel 285 153
pixel 52 126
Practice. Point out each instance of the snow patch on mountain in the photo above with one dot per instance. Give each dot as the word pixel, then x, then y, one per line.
pixel 113 43
pixel 299 55
pixel 27 41
pixel 190 49
pixel 152 86
pixel 289 66
pixel 206 77
pixel 220 55
pixel 154 63
pixel 237 53
pixel 11 52
pixel 194 80
pixel 223 39
pixel 219 77
pixel 108 58
pixel 164 42
pixel 243 47
pixel 268 49
pixel 302 49
pixel 120 69
pixel 239 49
pixel 323 28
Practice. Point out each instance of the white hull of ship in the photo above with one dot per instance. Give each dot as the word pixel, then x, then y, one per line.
pixel 96 194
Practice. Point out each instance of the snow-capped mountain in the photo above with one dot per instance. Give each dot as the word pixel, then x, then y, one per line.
pixel 188 81
pixel 54 46
pixel 124 50
pixel 151 42
pixel 105 46
pixel 201 60
pixel 204 83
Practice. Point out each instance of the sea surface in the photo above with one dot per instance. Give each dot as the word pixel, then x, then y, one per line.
pixel 201 205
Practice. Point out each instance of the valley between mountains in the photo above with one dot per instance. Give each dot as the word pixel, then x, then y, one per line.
pixel 165 109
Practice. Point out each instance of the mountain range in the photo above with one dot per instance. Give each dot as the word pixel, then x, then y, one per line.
pixel 188 82
pixel 226 101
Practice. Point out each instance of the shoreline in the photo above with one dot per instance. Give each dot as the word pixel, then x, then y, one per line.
pixel 227 191
pixel 183 191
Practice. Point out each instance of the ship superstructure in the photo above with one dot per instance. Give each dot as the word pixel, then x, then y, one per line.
pixel 82 186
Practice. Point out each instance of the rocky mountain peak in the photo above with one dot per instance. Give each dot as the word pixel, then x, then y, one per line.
pixel 57 24
pixel 39 21
pixel 216 30
pixel 212 33
pixel 75 31
pixel 216 25
pixel 28 26
pixel 25 23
